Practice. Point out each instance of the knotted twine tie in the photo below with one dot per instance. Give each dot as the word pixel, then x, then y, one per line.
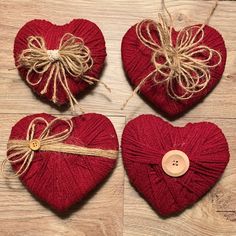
pixel 23 151
pixel 72 58
pixel 182 66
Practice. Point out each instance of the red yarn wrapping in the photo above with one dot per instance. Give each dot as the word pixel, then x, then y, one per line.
pixel 61 179
pixel 148 138
pixel 137 64
pixel 52 34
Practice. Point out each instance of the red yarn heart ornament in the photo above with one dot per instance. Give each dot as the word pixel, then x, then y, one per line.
pixel 59 62
pixel 61 161
pixel 147 140
pixel 173 70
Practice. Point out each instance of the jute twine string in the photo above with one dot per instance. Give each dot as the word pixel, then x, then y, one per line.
pixel 23 151
pixel 182 66
pixel 72 58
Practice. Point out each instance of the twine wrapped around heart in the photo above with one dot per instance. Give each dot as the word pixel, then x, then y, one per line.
pixel 23 151
pixel 72 58
pixel 183 72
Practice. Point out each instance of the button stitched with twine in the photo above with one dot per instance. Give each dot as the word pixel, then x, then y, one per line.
pixel 23 151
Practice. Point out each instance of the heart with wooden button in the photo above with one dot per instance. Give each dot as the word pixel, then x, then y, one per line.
pixel 173 70
pixel 60 62
pixel 173 167
pixel 175 163
pixel 60 161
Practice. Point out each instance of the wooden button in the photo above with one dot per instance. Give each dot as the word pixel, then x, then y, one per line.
pixel 175 163
pixel 34 144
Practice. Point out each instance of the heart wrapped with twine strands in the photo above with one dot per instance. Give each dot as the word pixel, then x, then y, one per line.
pixel 60 62
pixel 58 160
pixel 174 70
pixel 173 167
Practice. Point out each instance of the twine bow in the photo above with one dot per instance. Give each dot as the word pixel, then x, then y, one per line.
pixel 72 58
pixel 187 62
pixel 23 151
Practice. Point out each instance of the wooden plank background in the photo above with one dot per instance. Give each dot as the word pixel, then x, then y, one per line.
pixel 115 208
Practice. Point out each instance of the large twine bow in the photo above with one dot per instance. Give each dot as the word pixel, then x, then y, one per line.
pixel 72 58
pixel 183 72
pixel 23 151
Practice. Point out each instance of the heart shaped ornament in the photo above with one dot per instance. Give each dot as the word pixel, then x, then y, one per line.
pixel 174 70
pixel 60 62
pixel 173 167
pixel 61 160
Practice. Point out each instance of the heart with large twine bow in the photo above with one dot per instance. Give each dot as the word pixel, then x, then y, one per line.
pixel 60 161
pixel 173 70
pixel 173 167
pixel 60 62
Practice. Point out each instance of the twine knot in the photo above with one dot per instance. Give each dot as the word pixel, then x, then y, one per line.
pixel 53 55
pixel 172 55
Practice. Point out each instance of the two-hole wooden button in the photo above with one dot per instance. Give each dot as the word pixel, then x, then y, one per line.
pixel 175 163
pixel 34 144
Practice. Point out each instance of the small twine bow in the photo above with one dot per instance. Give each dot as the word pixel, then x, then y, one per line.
pixel 183 71
pixel 23 151
pixel 72 58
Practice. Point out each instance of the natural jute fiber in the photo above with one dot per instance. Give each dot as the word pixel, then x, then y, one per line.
pixel 183 72
pixel 23 151
pixel 72 58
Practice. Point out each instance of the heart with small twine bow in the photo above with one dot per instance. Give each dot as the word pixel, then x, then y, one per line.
pixel 173 167
pixel 174 70
pixel 60 161
pixel 60 62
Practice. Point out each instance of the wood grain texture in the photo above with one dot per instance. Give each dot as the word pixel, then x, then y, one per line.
pixel 115 208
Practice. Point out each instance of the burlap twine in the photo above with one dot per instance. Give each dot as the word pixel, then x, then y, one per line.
pixel 23 151
pixel 181 66
pixel 72 58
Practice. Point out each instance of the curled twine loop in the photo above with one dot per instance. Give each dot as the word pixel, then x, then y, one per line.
pixel 73 58
pixel 23 151
pixel 182 65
